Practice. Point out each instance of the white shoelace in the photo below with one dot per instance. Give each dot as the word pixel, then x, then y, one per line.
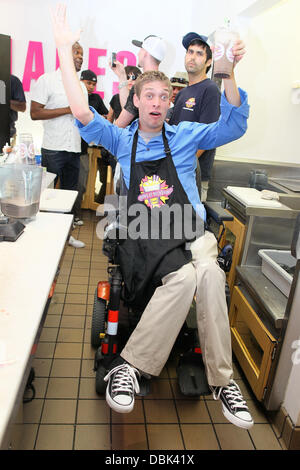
pixel 125 379
pixel 233 395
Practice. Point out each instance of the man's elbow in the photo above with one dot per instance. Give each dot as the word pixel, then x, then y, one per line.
pixel 33 115
pixel 83 116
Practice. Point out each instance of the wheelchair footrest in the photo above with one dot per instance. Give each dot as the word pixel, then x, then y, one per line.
pixel 191 375
pixel 145 386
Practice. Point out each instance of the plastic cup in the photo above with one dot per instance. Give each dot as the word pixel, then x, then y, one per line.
pixel 26 149
pixel 224 40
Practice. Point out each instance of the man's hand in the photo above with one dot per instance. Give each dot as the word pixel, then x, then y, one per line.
pixel 119 70
pixel 63 35
pixel 238 51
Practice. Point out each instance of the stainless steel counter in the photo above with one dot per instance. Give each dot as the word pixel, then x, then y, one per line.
pixel 285 212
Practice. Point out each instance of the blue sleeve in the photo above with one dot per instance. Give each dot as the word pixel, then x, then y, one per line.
pixel 101 132
pixel 231 125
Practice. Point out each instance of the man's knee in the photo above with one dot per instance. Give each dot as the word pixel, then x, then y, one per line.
pixel 182 279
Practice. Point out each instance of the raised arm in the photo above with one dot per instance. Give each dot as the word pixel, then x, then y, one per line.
pixel 230 86
pixel 64 39
pixel 119 70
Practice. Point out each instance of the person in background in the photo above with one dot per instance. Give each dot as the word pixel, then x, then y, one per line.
pixel 200 101
pixel 178 82
pixel 152 52
pixel 89 78
pixel 115 106
pixel 61 146
pixel 17 104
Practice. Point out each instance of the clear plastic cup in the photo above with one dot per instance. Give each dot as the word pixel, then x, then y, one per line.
pixel 26 149
pixel 224 40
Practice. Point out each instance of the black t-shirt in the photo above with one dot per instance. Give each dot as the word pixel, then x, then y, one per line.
pixel 199 103
pixel 116 105
pixel 96 101
pixel 17 94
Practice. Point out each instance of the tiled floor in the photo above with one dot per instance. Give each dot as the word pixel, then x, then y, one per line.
pixel 68 414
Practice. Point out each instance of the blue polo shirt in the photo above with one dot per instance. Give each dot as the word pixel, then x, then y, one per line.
pixel 184 141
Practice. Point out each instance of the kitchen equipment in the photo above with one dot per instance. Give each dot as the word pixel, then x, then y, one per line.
pixel 291 184
pixel 10 230
pixel 258 179
pixel 252 197
pixel 20 190
pixel 277 265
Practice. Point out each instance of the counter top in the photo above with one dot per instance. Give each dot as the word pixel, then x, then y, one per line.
pixel 269 210
pixel 28 267
pixel 57 200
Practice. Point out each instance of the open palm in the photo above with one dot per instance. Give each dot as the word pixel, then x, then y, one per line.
pixel 62 32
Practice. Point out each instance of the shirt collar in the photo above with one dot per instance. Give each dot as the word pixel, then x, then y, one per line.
pixel 134 125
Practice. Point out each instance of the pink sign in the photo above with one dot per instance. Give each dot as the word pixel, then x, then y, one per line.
pixel 34 64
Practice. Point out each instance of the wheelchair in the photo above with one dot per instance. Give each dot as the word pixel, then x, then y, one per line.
pixel 113 321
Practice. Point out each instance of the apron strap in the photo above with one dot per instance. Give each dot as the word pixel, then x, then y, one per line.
pixel 166 143
pixel 134 147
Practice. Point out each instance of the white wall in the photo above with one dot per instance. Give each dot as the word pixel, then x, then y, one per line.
pixel 267 72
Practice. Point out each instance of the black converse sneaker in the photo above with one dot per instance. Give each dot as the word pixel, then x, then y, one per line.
pixel 122 385
pixel 234 406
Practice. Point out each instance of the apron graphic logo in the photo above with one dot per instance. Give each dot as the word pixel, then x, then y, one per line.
pixel 154 191
pixel 190 103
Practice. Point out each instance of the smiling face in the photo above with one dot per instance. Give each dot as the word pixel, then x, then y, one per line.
pixel 153 104
pixel 77 53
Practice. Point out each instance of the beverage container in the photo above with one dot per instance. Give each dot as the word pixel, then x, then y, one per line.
pixel 20 190
pixel 258 179
pixel 26 149
pixel 224 39
pixel 38 160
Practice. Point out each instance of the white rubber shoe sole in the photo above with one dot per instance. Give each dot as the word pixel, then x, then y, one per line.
pixel 118 407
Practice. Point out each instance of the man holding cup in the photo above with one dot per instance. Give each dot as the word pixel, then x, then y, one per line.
pixel 200 101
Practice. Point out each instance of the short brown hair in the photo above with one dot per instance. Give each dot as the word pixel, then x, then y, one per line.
pixel 151 76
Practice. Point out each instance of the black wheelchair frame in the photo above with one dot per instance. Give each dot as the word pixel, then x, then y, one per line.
pixel 107 334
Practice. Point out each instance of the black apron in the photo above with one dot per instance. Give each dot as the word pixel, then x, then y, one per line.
pixel 154 189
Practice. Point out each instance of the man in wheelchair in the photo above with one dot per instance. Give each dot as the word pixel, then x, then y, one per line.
pixel 165 264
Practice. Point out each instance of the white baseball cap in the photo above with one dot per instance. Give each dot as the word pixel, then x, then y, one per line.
pixel 154 45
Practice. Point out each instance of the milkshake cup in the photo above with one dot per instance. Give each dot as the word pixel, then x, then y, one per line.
pixel 224 40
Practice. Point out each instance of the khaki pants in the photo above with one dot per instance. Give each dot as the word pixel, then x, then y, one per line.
pixel 151 342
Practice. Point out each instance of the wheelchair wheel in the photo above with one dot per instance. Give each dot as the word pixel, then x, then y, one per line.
pixel 98 321
pixel 100 384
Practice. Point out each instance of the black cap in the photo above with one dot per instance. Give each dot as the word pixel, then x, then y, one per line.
pixel 88 75
pixel 189 37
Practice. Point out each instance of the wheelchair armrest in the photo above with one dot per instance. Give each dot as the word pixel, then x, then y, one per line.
pixel 216 212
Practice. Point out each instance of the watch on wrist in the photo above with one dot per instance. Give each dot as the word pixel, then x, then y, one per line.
pixel 122 84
